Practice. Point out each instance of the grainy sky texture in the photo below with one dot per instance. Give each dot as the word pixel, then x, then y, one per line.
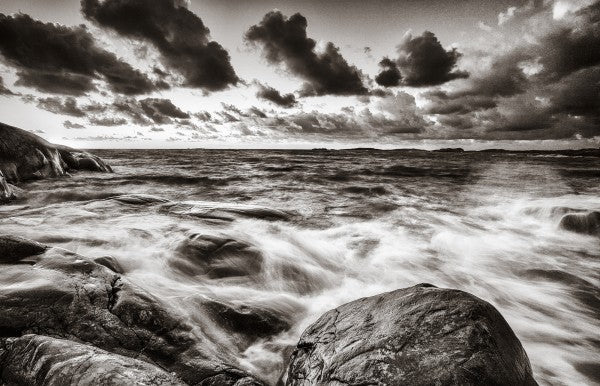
pixel 289 74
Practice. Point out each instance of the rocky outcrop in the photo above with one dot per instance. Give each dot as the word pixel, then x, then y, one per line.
pixel 587 224
pixel 65 295
pixel 35 359
pixel 25 156
pixel 420 335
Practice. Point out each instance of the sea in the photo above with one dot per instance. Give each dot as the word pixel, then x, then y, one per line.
pixel 325 227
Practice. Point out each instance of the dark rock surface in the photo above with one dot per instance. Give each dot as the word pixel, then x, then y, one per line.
pixel 588 224
pixel 68 296
pixel 14 248
pixel 217 257
pixel 420 335
pixel 26 156
pixel 7 191
pixel 36 359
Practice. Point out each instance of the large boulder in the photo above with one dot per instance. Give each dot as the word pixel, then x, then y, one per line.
pixel 25 156
pixel 42 360
pixel 420 335
pixel 585 223
pixel 66 295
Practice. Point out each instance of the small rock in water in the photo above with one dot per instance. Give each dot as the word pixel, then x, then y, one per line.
pixel 588 224
pixel 420 335
pixel 14 248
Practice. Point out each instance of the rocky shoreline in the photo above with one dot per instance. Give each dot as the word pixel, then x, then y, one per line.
pixel 62 312
pixel 69 319
pixel 25 156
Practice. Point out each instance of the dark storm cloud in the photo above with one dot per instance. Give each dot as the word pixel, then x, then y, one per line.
pixel 56 82
pixel 567 50
pixel 284 40
pixel 55 58
pixel 178 34
pixel 161 110
pixel 390 74
pixel 422 61
pixel 273 95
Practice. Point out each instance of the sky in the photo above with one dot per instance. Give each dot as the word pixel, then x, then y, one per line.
pixel 521 74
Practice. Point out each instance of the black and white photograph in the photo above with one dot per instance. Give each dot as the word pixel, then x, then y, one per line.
pixel 299 192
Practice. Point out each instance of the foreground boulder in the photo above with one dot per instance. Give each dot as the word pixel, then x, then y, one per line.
pixel 25 156
pixel 64 295
pixel 420 335
pixel 587 224
pixel 34 359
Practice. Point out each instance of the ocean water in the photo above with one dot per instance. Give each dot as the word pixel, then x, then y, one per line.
pixel 326 227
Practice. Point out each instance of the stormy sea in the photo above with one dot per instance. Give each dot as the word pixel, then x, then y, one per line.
pixel 298 233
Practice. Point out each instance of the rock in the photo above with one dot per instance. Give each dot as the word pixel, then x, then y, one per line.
pixel 42 360
pixel 14 248
pixel 25 156
pixel 110 263
pixel 217 257
pixel 7 192
pixel 587 224
pixel 66 295
pixel 420 335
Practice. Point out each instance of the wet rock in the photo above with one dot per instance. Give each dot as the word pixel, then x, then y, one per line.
pixel 14 248
pixel 217 257
pixel 25 156
pixel 139 199
pixel 420 335
pixel 588 224
pixel 7 192
pixel 252 321
pixel 68 296
pixel 42 360
pixel 110 263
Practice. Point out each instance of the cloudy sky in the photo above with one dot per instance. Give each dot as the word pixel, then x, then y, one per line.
pixel 304 73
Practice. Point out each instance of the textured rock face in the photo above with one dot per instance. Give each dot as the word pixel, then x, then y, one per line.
pixel 35 359
pixel 420 335
pixel 588 224
pixel 62 294
pixel 25 156
pixel 6 190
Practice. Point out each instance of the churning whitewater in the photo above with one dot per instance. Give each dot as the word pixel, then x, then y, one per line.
pixel 301 232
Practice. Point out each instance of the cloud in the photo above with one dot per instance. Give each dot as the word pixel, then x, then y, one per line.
pixel 72 125
pixel 59 59
pixel 180 37
pixel 161 110
pixel 3 89
pixel 107 121
pixel 424 62
pixel 273 95
pixel 284 41
pixel 390 74
pixel 67 106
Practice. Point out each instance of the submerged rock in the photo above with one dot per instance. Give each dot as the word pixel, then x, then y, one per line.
pixel 217 257
pixel 42 360
pixel 420 335
pixel 588 224
pixel 25 156
pixel 68 296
